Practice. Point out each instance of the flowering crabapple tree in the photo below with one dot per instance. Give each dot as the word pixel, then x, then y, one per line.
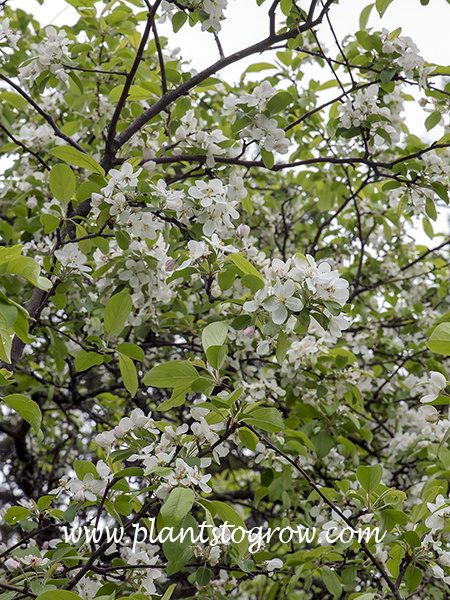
pixel 213 308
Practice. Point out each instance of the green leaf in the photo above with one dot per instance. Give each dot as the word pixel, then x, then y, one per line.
pixel 281 347
pixel 258 67
pixel 85 360
pixel 332 582
pixel 439 341
pixel 168 593
pixel 129 375
pixel 227 513
pixel 248 438
pixel 131 350
pixel 253 282
pixel 203 576
pixel 215 334
pixel 432 120
pixel 62 183
pixel 27 409
pixel 178 553
pixel 177 506
pixel 26 267
pixel 387 75
pixel 117 311
pixel 268 419
pixel 58 595
pixel 382 6
pixel 178 20
pixel 79 159
pixel 279 102
pixel 268 159
pixel 9 312
pixel 83 467
pixel 15 514
pixel 364 17
pixel 443 442
pixel 216 356
pixel 369 477
pixel 245 266
pixel 430 209
pixel 173 374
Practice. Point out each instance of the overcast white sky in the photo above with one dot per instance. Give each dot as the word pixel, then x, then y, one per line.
pixel 246 23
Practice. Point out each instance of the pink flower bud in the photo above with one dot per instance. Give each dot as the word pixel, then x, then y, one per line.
pixel 45 546
pixel 170 264
pixel 118 432
pixel 59 569
pixel 249 331
pixel 243 230
pixel 11 564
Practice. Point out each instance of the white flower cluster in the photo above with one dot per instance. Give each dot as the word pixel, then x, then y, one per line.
pixel 304 280
pixel 435 169
pixel 213 9
pixel 70 256
pixel 267 133
pixel 263 130
pixel 89 488
pixel 364 105
pixel 189 134
pixel 121 186
pixel 49 57
pixel 409 59
pixel 6 32
pixel 170 449
pixel 219 207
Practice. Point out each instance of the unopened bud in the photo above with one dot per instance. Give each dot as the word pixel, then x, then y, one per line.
pixel 11 564
pixel 118 432
pixel 243 230
pixel 170 264
pixel 249 331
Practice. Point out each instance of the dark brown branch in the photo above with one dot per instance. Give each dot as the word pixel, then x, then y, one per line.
pixel 162 66
pixel 185 87
pixel 130 77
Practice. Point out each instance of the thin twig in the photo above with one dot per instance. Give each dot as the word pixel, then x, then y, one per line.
pixel 19 143
pixel 50 120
